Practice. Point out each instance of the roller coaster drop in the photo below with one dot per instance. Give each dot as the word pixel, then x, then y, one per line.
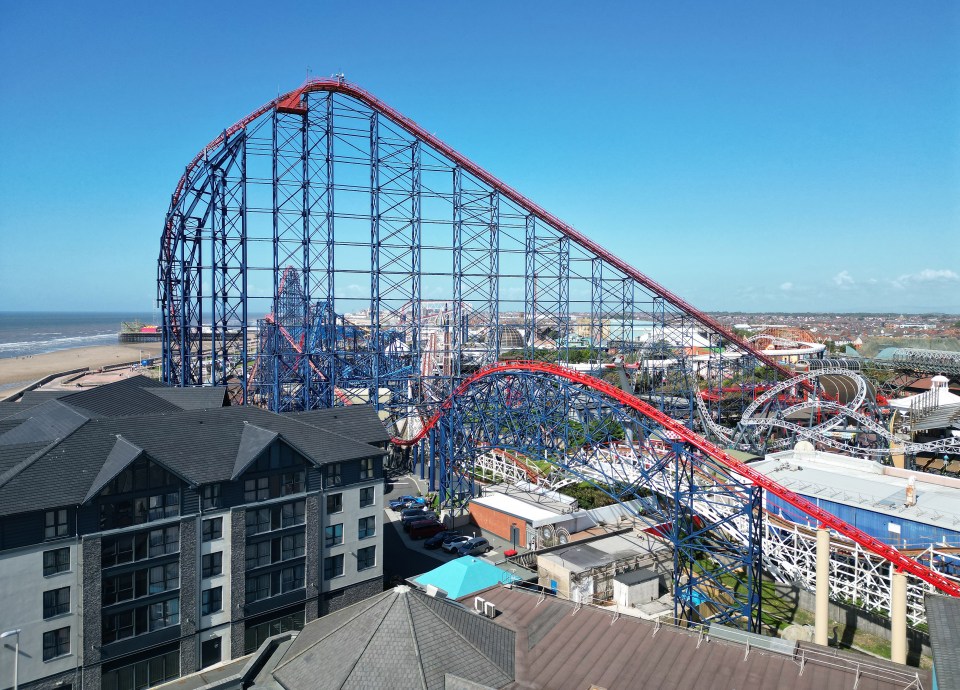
pixel 388 269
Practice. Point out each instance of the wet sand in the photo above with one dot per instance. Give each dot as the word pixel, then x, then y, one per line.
pixel 25 370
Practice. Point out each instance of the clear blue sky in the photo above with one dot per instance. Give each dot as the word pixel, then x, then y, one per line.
pixel 759 156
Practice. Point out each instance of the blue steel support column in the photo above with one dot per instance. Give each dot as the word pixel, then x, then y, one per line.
pixel 375 257
pixel 530 287
pixel 415 268
pixel 596 306
pixel 184 347
pixel 332 357
pixel 244 326
pixel 563 299
pixel 494 316
pixel 627 315
pixel 454 350
pixel 305 361
pixel 219 310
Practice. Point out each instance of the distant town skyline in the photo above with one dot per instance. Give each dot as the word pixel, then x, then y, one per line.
pixel 750 158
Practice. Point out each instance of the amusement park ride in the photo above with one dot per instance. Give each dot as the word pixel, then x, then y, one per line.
pixel 380 266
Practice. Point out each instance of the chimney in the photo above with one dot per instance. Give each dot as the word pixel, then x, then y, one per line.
pixel 911 492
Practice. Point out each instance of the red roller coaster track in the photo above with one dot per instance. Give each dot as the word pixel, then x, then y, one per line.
pixel 292 102
pixel 828 520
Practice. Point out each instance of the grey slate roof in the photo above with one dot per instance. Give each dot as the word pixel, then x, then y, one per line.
pixel 943 619
pixel 121 455
pixel 200 446
pixel 398 639
pixel 121 398
pixel 253 440
pixel 350 420
pixel 193 398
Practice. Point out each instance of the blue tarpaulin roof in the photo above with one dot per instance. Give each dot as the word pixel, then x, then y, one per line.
pixel 464 576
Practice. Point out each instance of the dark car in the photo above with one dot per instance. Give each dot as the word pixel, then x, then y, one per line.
pixel 410 519
pixel 425 528
pixel 474 547
pixel 438 540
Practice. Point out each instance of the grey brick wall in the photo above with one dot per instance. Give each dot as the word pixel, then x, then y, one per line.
pixel 238 569
pixel 90 580
pixel 313 554
pixel 334 601
pixel 189 606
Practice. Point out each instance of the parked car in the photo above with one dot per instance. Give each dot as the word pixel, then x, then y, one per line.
pixel 455 543
pixel 441 538
pixel 425 528
pixel 400 503
pixel 412 512
pixel 425 515
pixel 474 547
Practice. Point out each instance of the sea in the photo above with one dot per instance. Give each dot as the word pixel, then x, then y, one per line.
pixel 25 333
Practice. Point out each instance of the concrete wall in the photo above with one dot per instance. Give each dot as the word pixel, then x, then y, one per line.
pixel 22 585
pixel 855 619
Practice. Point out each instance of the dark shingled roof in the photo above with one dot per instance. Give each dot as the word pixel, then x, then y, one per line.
pixel 354 421
pixel 193 398
pixel 200 446
pixel 398 639
pixel 121 398
pixel 943 619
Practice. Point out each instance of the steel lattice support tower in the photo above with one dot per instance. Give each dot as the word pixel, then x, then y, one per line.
pixel 422 266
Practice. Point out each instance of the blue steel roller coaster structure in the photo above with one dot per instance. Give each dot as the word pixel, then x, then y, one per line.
pixel 381 266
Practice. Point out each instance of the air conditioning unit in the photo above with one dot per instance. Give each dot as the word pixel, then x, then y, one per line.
pixel 489 609
pixel 435 592
pixel 478 604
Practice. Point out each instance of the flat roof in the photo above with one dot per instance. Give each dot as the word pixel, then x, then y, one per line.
pixel 534 514
pixel 867 485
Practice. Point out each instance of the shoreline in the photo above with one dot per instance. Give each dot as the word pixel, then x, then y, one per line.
pixel 16 372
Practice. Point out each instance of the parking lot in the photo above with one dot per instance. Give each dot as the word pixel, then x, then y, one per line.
pixel 406 557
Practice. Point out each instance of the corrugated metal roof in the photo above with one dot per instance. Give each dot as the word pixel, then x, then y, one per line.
pixel 943 619
pixel 865 484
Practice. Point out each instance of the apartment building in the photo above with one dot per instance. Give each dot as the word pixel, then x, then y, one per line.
pixel 148 532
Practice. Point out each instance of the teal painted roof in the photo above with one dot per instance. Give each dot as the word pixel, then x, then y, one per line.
pixel 463 576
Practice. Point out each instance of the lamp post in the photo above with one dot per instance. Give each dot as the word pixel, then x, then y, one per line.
pixel 16 654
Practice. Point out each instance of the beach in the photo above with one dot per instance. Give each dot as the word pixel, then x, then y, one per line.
pixel 27 369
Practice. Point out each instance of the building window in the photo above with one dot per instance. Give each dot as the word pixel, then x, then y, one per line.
pixel 55 524
pixel 258 554
pixel 366 558
pixel 211 496
pixel 262 520
pixel 366 468
pixel 139 583
pixel 332 566
pixel 258 587
pixel 332 535
pixel 56 643
pixel 142 674
pixel 367 496
pixel 292 546
pixel 124 511
pixel 331 475
pixel 211 601
pixel 366 527
pixel 291 578
pixel 56 561
pixel 137 547
pixel 256 634
pixel 211 564
pixel 212 529
pixel 334 503
pixel 273 486
pixel 164 614
pixel 56 602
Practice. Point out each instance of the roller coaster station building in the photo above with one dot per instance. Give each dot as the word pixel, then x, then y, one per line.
pixel 147 532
